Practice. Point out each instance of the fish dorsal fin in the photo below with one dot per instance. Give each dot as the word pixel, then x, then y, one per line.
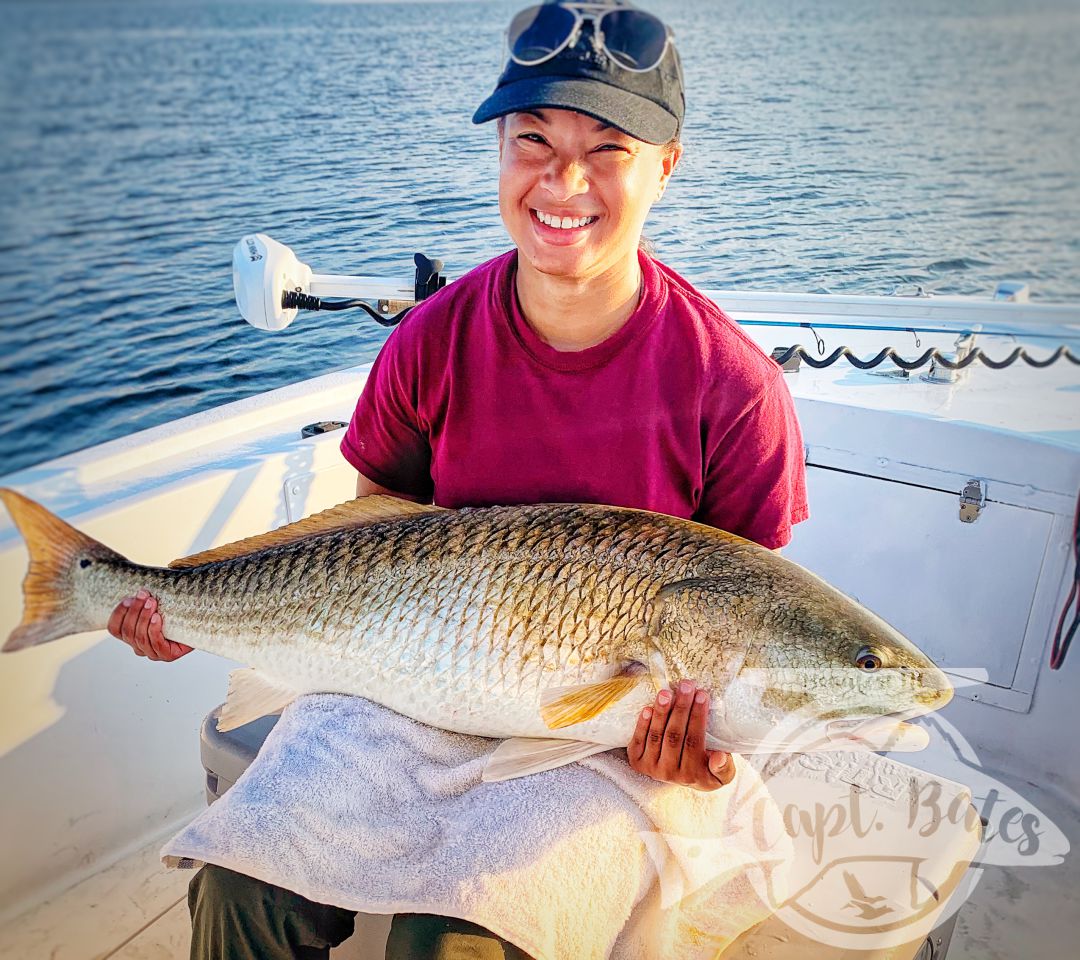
pixel 345 516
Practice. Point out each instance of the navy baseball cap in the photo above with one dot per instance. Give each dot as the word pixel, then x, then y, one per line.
pixel 587 77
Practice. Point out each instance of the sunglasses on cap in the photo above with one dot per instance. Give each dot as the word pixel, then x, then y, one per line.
pixel 634 39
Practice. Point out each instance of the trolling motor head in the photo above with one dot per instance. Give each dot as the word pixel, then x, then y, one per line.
pixel 263 271
pixel 271 286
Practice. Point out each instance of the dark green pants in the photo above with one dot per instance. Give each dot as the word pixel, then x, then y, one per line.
pixel 235 917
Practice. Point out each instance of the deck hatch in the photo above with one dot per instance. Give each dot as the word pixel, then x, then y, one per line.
pixel 963 592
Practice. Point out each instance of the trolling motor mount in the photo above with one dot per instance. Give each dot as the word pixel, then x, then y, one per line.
pixel 271 286
pixel 428 277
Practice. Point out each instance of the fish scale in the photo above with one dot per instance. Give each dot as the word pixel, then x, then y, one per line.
pixel 549 620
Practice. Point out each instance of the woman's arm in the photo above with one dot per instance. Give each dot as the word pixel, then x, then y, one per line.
pixel 366 488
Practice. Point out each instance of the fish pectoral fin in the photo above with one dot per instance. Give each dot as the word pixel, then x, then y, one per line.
pixel 361 512
pixel 524 755
pixel 564 706
pixel 252 695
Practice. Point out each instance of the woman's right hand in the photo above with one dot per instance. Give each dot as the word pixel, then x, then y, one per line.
pixel 138 623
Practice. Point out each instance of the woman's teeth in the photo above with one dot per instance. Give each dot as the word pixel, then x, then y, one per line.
pixel 563 223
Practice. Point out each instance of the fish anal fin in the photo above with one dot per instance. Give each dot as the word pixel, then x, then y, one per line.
pixel 360 512
pixel 564 706
pixel 252 695
pixel 522 756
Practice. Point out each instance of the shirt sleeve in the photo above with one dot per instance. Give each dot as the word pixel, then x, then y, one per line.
pixel 385 440
pixel 755 475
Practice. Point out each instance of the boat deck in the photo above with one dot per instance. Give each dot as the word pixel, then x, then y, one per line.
pixel 905 446
pixel 137 909
pixel 134 910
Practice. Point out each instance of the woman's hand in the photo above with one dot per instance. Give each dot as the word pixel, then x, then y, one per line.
pixel 138 623
pixel 669 741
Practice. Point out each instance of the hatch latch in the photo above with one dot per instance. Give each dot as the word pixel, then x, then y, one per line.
pixel 972 501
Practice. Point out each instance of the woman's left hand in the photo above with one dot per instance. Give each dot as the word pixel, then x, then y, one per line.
pixel 669 741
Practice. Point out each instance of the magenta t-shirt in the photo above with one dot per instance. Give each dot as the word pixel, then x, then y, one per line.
pixel 678 411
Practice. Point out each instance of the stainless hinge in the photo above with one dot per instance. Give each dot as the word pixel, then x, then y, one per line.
pixel 792 365
pixel 939 373
pixel 972 500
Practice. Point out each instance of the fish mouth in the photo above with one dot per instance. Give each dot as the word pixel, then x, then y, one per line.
pixel 889 733
pixel 936 694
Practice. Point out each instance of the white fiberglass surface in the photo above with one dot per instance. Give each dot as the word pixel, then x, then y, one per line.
pixel 84 721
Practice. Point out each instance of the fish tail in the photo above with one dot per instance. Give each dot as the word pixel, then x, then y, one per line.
pixel 57 551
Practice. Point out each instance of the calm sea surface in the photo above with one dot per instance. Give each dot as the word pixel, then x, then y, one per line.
pixel 832 146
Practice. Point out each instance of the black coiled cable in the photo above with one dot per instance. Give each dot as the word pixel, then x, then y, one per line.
pixel 1019 353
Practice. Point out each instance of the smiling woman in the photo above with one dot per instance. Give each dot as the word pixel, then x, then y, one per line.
pixel 574 368
pixel 590 109
pixel 574 194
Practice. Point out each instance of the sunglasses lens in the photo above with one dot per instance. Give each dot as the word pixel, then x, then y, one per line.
pixel 537 32
pixel 636 39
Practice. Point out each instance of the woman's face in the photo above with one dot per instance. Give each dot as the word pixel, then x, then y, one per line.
pixel 566 165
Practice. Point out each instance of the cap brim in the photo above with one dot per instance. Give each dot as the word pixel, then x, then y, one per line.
pixel 633 114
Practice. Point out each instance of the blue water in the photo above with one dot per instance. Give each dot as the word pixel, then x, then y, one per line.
pixel 832 145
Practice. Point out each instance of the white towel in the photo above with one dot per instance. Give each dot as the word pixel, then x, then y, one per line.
pixel 351 804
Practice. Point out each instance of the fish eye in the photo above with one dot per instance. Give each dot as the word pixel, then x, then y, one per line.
pixel 868 660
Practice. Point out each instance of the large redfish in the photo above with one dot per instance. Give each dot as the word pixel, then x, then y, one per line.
pixel 552 622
